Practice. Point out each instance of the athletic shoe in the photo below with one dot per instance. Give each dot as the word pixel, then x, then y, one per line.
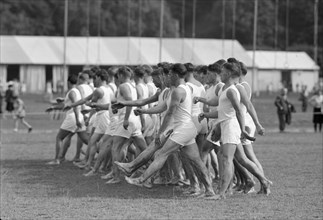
pixel 90 173
pixel 107 176
pixel 15 130
pixel 134 181
pixel 30 129
pixel 147 184
pixel 54 162
pixel 122 167
pixel 160 181
pixel 251 190
pixel 113 181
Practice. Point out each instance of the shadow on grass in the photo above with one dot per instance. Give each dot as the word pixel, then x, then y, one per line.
pixel 67 180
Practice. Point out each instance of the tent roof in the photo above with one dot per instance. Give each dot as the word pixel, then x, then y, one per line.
pixel 283 60
pixel 116 50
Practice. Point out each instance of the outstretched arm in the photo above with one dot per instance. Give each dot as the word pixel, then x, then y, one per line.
pixel 140 102
pixel 154 110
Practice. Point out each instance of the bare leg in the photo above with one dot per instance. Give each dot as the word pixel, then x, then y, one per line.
pixel 93 147
pixel 251 167
pixel 25 123
pixel 228 151
pixel 79 145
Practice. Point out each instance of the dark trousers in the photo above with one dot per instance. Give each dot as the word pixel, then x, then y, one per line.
pixel 282 120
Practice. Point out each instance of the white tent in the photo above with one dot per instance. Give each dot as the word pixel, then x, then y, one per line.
pixel 285 68
pixel 32 53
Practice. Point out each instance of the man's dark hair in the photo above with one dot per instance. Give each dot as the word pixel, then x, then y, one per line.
pixel 72 79
pixel 179 69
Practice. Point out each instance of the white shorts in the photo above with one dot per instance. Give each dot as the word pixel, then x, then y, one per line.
pixel 230 131
pixel 214 127
pixel 184 134
pixel 201 127
pixel 134 128
pixel 102 123
pixel 69 123
pixel 250 129
pixel 150 125
pixel 91 124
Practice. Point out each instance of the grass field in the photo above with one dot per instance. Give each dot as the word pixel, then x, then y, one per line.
pixel 31 190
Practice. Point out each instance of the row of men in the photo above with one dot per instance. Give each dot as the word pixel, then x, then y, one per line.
pixel 168 134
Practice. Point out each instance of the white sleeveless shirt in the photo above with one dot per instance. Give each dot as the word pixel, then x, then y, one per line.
pixel 198 91
pixel 122 112
pixel 87 90
pixel 182 115
pixel 145 90
pixel 225 109
pixel 68 101
pixel 106 99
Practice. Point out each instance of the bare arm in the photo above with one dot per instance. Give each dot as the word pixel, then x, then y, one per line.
pixel 140 102
pixel 176 98
pixel 250 108
pixel 232 96
pixel 125 92
pixel 72 97
pixel 154 110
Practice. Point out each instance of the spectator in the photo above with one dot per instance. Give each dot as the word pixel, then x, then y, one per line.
pixel 284 109
pixel 2 95
pixel 317 102
pixel 9 99
pixel 304 98
pixel 19 114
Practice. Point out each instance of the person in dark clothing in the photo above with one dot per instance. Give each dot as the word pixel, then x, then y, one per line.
pixel 284 109
pixel 317 102
pixel 9 97
pixel 303 98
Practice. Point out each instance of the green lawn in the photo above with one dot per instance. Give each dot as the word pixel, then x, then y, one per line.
pixel 31 190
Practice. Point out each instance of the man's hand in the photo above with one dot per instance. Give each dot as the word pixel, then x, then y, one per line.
pixel 138 111
pixel 78 124
pixel 201 117
pixel 245 135
pixel 260 129
pixel 50 109
pixel 196 100
pixel 118 105
pixel 126 124
pixel 60 100
pixel 67 107
pixel 157 140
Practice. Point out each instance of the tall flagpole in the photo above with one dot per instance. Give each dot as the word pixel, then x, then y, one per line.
pixel 183 30
pixel 65 38
pixel 161 26
pixel 316 13
pixel 254 46
pixel 233 25
pixel 223 26
pixel 193 29
pixel 128 33
pixel 99 31
pixel 87 31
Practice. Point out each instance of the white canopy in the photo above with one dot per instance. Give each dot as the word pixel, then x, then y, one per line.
pixel 283 60
pixel 43 50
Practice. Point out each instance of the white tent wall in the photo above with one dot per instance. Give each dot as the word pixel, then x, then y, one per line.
pixel 270 78
pixel 307 78
pixel 3 74
pixel 59 77
pixel 33 76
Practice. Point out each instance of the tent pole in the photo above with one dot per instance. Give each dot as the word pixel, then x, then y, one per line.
pixel 255 20
pixel 161 26
pixel 65 39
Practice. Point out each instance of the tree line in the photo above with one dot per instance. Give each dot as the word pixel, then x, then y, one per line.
pixel 282 24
